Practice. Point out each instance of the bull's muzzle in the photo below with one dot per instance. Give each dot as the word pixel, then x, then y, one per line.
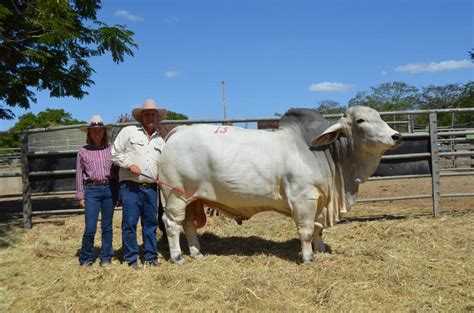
pixel 397 137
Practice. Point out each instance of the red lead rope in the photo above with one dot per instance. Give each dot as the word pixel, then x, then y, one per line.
pixel 238 219
pixel 159 182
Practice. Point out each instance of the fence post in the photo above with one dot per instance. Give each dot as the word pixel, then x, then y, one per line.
pixel 435 177
pixel 26 190
pixel 452 142
pixel 411 126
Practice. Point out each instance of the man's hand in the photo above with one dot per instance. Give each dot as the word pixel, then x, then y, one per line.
pixel 82 203
pixel 135 169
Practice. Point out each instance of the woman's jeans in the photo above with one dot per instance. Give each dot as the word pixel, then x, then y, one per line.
pixel 97 198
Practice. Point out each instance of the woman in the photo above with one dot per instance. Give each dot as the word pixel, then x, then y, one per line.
pixel 95 180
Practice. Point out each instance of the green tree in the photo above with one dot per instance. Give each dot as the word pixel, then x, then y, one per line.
pixel 170 115
pixel 45 45
pixel 466 100
pixel 8 141
pixel 330 107
pixel 395 96
pixel 440 97
pixel 46 118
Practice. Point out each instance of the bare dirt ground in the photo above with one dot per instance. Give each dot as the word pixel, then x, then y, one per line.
pixel 418 186
pixel 386 256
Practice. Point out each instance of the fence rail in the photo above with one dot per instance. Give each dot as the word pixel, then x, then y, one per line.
pixel 435 136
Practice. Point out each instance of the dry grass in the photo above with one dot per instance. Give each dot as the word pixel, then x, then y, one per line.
pixel 401 262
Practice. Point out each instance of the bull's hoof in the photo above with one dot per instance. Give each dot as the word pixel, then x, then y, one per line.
pixel 178 260
pixel 308 258
pixel 197 256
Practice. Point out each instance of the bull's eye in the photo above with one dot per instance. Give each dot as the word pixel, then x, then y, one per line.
pixel 360 121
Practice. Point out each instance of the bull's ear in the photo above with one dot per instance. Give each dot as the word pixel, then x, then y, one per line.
pixel 328 136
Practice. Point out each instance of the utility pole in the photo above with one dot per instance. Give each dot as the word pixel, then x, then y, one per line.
pixel 223 101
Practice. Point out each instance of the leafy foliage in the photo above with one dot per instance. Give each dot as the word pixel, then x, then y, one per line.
pixel 330 107
pixel 399 96
pixel 46 118
pixel 395 96
pixel 439 97
pixel 46 44
pixel 175 116
pixel 466 100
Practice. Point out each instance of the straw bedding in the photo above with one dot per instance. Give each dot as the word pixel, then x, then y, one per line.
pixel 385 257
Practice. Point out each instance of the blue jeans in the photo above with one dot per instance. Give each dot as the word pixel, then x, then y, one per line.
pixel 138 202
pixel 97 198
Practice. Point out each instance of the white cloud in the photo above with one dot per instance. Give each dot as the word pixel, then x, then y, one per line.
pixel 449 65
pixel 125 14
pixel 383 73
pixel 171 74
pixel 328 86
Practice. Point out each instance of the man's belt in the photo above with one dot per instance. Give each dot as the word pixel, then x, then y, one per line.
pixel 145 185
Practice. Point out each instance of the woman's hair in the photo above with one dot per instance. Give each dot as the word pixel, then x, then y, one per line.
pixel 103 142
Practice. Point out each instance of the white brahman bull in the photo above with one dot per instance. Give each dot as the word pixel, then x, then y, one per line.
pixel 305 170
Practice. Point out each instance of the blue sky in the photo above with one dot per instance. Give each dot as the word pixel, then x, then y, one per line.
pixel 272 55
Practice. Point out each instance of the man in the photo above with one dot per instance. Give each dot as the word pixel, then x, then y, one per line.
pixel 137 150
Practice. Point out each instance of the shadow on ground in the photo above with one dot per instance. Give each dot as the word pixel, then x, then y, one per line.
pixel 249 246
pixel 383 217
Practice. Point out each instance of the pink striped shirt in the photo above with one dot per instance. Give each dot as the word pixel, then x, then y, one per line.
pixel 93 165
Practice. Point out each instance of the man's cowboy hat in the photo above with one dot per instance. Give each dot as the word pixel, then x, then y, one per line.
pixel 96 122
pixel 148 105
